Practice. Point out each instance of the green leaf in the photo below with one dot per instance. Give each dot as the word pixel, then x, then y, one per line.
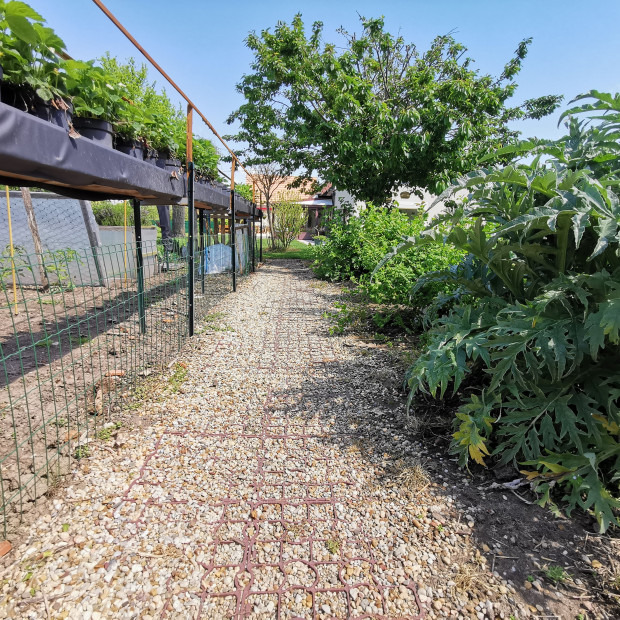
pixel 21 9
pixel 22 29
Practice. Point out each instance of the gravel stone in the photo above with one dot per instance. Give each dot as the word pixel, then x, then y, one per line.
pixel 259 488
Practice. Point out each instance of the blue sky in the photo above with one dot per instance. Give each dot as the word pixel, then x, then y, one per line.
pixel 201 43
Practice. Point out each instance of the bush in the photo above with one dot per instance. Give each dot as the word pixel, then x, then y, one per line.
pixel 356 246
pixel 536 333
pixel 113 214
pixel 289 222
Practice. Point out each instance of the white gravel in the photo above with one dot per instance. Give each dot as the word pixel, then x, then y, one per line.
pixel 258 492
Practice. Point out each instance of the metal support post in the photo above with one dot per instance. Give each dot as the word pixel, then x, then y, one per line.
pixel 253 237
pixel 190 248
pixel 139 265
pixel 201 234
pixel 260 254
pixel 233 241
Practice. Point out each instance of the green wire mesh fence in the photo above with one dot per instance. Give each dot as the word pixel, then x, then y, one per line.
pixel 77 334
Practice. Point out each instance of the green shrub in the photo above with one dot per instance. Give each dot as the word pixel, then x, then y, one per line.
pixel 289 220
pixel 356 246
pixel 244 190
pixel 533 345
pixel 109 213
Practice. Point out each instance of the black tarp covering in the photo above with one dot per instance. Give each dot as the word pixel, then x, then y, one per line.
pixel 44 156
pixel 34 148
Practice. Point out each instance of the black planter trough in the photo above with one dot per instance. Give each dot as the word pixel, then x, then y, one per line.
pixel 95 129
pixel 54 114
pixel 173 165
pixel 151 156
pixel 133 148
pixel 34 152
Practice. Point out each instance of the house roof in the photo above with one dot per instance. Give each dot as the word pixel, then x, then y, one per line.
pixel 301 194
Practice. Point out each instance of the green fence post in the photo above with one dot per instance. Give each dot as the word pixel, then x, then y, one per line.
pixel 252 235
pixel 190 247
pixel 139 265
pixel 201 234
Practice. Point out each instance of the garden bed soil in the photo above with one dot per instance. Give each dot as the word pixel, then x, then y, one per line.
pixel 71 357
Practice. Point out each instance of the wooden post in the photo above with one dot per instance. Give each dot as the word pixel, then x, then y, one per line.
pixel 93 238
pixel 34 231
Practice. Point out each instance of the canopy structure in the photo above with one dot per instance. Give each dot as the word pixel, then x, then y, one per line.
pixel 35 152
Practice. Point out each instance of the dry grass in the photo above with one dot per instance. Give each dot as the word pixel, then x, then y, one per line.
pixel 410 475
pixel 469 578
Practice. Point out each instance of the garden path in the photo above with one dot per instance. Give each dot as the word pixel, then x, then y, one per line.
pixel 262 483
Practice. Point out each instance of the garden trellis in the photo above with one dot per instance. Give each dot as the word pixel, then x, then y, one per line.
pixel 74 346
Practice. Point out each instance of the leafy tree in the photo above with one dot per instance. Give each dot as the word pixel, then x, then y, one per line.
pixel 268 178
pixel 378 115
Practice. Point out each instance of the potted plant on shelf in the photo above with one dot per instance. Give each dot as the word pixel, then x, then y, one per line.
pixel 132 81
pixel 130 130
pixel 160 137
pixel 97 102
pixel 34 77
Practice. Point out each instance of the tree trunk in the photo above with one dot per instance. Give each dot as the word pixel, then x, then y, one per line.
pixel 270 219
pixel 34 231
pixel 178 221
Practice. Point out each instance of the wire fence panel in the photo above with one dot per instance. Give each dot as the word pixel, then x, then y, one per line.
pixel 62 223
pixel 71 351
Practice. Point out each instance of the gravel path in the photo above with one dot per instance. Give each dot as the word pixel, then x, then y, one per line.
pixel 265 486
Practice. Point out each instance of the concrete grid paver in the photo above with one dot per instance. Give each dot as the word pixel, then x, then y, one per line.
pixel 243 501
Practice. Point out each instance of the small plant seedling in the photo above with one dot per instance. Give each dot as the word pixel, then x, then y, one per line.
pixel 178 376
pixel 32 591
pixel 79 339
pixel 105 434
pixel 65 527
pixel 214 316
pixel 530 578
pixel 81 452
pixel 333 546
pixel 49 302
pixel 60 422
pixel 557 574
pixel 46 342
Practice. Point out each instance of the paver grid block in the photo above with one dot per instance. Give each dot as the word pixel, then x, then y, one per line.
pixel 278 531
